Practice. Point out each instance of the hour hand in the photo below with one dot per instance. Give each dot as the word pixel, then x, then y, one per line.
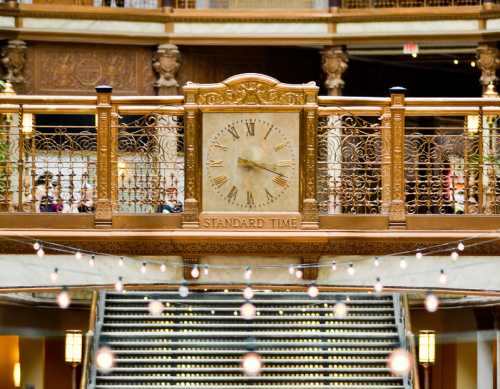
pixel 250 163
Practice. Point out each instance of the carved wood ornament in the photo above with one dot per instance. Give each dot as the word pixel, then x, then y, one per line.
pixel 488 62
pixel 13 61
pixel 166 63
pixel 334 64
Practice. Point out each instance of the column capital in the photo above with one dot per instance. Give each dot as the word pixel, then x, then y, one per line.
pixel 334 63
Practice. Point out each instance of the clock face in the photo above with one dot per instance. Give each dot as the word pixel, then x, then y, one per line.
pixel 251 164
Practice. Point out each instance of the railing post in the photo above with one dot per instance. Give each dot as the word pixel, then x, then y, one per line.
pixel 386 161
pixel 104 207
pixel 397 212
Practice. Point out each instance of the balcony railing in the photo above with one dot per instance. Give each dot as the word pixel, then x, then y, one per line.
pixel 396 158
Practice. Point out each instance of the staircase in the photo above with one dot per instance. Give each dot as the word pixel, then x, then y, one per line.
pixel 198 341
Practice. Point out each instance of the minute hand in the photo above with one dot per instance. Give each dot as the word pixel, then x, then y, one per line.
pixel 258 165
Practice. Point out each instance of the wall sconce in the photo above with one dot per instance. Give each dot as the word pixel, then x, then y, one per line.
pixel 16 375
pixel 27 123
pixel 426 353
pixel 73 351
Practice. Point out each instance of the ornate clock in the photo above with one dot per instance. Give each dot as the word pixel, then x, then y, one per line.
pixel 250 162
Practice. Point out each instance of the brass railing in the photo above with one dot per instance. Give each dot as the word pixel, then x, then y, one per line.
pixel 408 3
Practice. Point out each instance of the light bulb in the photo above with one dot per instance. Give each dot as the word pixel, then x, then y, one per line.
pixel 92 261
pixel 104 359
pixel 183 290
pixel 163 268
pixel 376 262
pixel 473 64
pixel 443 278
pixel 40 252
pixel 455 61
pixel 378 287
pixel 195 272
pixel 403 264
pixel 248 311
pixel 291 269
pixel 143 268
pixel 340 310
pixel 121 261
pixel 313 291
pixel 205 270
pixel 119 284
pixel 399 362
pixel 155 308
pixel 78 255
pixel 351 270
pixel 454 255
pixel 36 246
pixel 54 275
pixel 419 254
pixel 63 299
pixel 248 273
pixel 461 246
pixel 251 364
pixel 431 302
pixel 334 265
pixel 298 273
pixel 248 293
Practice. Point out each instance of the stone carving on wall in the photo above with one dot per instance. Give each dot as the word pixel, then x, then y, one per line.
pixel 77 69
pixel 334 64
pixel 13 61
pixel 166 63
pixel 488 62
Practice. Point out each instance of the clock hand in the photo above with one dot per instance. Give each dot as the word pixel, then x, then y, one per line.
pixel 250 163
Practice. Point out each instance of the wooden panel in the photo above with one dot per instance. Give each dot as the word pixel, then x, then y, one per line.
pixel 52 220
pixel 78 69
pixel 452 222
pixel 147 221
pixel 354 222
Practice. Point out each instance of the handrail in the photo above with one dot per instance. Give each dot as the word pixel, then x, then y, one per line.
pixel 88 341
pixel 411 342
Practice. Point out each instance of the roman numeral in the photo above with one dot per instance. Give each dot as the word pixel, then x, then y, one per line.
pixel 269 195
pixel 250 199
pixel 231 196
pixel 279 146
pixel 284 163
pixel 219 181
pixel 268 132
pixel 280 181
pixel 219 146
pixel 215 163
pixel 250 127
pixel 233 131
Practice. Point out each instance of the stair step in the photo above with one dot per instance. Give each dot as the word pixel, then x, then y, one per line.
pixel 244 386
pixel 265 361
pixel 241 378
pixel 246 334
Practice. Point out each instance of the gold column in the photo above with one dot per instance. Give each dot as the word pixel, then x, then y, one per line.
pixel 104 208
pixel 386 161
pixel 310 213
pixel 397 214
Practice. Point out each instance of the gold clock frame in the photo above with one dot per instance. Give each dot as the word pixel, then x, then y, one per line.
pixel 251 93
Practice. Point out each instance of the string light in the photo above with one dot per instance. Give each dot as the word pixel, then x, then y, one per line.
pixel 195 272
pixel 454 255
pixel 92 261
pixel 78 255
pixel 340 310
pixel 350 269
pixel 376 262
pixel 248 293
pixel 119 284
pixel 63 298
pixel 163 268
pixel 121 261
pixel 461 246
pixel 155 308
pixel 334 265
pixel 403 264
pixel 248 273
pixel 443 278
pixel 205 270
pixel 251 364
pixel 40 252
pixel 313 290
pixel 378 287
pixel 473 64
pixel 399 362
pixel 183 290
pixel 54 275
pixel 431 302
pixel 419 254
pixel 143 268
pixel 298 273
pixel 247 311
pixel 36 246
pixel 104 359
pixel 291 269
pixel 455 61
